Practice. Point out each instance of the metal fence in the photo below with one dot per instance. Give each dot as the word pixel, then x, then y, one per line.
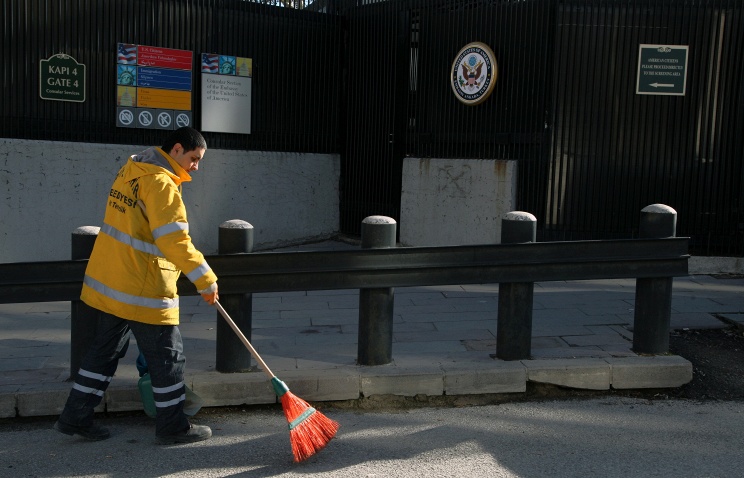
pixel 612 150
pixel 591 151
pixel 369 80
pixel 295 98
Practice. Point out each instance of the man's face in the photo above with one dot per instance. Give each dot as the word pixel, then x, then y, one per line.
pixel 189 160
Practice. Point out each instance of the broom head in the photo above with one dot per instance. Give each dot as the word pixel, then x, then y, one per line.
pixel 309 430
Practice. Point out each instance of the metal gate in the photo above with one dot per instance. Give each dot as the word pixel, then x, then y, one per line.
pixel 399 101
pixel 369 79
pixel 375 90
pixel 591 151
pixel 614 151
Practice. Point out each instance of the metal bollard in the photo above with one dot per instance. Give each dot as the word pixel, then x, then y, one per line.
pixel 375 344
pixel 83 318
pixel 514 327
pixel 653 297
pixel 235 237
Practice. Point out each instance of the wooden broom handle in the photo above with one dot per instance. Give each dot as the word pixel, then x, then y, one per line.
pixel 242 338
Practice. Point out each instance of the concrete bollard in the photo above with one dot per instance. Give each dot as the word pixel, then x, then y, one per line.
pixel 514 327
pixel 653 297
pixel 235 237
pixel 375 344
pixel 83 318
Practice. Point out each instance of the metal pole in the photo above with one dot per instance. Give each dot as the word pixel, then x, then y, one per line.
pixel 235 237
pixel 375 344
pixel 83 318
pixel 514 327
pixel 653 298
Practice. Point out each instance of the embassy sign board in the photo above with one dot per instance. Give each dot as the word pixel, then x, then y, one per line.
pixel 62 78
pixel 226 93
pixel 153 87
pixel 662 70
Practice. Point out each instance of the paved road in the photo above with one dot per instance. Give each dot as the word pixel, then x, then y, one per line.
pixel 607 437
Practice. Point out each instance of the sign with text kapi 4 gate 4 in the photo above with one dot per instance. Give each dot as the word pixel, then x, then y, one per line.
pixel 662 70
pixel 61 78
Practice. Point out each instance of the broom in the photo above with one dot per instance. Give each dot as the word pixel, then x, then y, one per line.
pixel 309 430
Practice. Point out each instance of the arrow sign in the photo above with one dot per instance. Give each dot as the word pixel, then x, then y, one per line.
pixel 662 70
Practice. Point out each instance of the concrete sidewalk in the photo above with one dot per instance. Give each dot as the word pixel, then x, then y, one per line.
pixel 444 339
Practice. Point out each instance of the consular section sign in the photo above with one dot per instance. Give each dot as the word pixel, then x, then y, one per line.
pixel 662 70
pixel 226 93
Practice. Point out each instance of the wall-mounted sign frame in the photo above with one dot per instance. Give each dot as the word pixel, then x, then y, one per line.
pixel 662 70
pixel 473 73
pixel 153 87
pixel 226 93
pixel 62 78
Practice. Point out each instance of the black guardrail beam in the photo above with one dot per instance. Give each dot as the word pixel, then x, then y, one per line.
pixel 395 267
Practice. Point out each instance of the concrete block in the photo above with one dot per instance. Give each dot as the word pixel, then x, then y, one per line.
pixel 392 380
pixel 7 405
pixel 660 371
pixel 225 389
pixel 455 201
pixel 125 398
pixel 47 400
pixel 586 374
pixel 322 385
pixel 495 377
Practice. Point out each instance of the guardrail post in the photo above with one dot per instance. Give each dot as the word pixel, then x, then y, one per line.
pixel 653 297
pixel 375 344
pixel 235 237
pixel 83 318
pixel 514 326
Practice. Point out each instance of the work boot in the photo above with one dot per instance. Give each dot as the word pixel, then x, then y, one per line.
pixel 192 434
pixel 91 432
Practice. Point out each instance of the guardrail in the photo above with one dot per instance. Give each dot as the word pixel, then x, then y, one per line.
pixel 376 271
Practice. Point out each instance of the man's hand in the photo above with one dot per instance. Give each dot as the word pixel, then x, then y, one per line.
pixel 210 295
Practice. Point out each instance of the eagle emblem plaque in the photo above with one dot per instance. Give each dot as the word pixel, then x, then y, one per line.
pixel 473 73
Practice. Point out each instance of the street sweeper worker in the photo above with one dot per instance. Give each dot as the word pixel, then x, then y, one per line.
pixel 141 249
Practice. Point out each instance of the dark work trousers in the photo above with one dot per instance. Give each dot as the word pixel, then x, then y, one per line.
pixel 162 347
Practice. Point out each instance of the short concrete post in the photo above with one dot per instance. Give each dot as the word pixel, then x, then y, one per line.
pixel 83 318
pixel 514 327
pixel 235 237
pixel 653 298
pixel 375 344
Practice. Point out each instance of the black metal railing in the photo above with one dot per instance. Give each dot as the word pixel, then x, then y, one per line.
pixel 647 260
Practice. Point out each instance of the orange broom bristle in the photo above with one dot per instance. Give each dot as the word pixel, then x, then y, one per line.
pixel 309 430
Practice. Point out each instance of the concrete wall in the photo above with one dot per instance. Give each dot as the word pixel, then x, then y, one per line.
pixel 50 188
pixel 455 201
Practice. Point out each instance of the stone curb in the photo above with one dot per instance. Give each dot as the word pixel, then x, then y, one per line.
pixel 354 382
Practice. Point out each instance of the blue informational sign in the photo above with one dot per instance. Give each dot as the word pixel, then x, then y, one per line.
pixel 164 78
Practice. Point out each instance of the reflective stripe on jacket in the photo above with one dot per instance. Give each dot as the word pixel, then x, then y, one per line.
pixel 144 244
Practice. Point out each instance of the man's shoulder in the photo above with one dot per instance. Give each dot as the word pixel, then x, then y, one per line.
pixel 156 175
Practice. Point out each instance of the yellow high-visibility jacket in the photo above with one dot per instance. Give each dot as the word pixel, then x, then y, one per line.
pixel 144 244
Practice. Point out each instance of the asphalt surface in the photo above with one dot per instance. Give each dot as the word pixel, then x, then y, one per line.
pixel 608 437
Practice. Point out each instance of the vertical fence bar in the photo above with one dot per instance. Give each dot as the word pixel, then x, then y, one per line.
pixel 514 327
pixel 83 318
pixel 235 237
pixel 375 344
pixel 653 299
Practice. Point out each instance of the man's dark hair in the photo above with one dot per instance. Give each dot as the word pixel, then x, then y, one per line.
pixel 189 138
